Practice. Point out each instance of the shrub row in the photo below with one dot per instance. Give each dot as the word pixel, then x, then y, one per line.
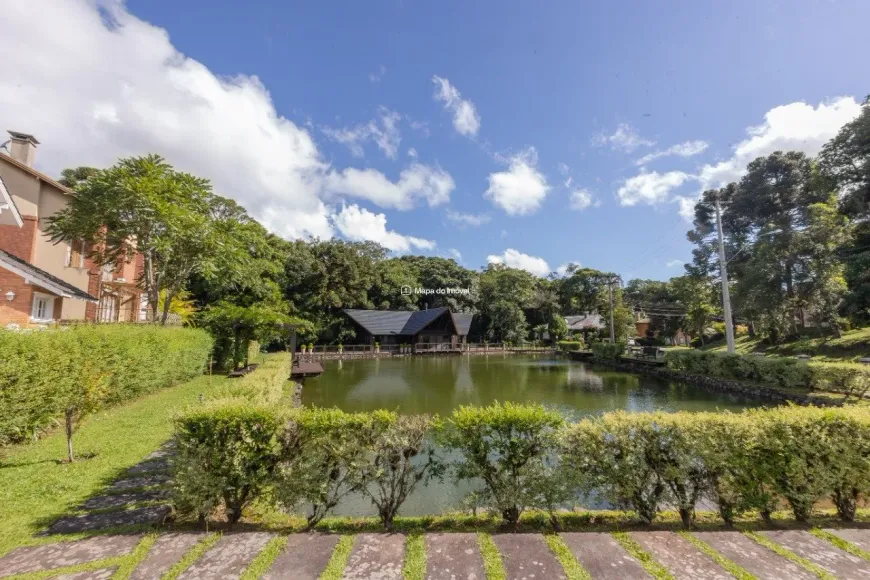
pixel 570 345
pixel 524 456
pixel 607 350
pixel 68 371
pixel 781 372
pixel 264 386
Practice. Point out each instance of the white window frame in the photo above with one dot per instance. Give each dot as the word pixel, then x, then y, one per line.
pixel 48 314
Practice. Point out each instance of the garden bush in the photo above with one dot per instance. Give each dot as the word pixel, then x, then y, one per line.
pixel 326 456
pixel 69 372
pixel 227 451
pixel 850 379
pixel 607 350
pixel 571 345
pixel 504 446
pixel 263 386
pixel 638 461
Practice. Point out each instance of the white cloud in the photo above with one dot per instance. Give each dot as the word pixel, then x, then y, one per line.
pixel 376 77
pixel 465 117
pixel 412 153
pixel 687 149
pixel 522 188
pixel 123 89
pixel 418 181
pixel 563 269
pixel 516 259
pixel 563 168
pixel 384 131
pixel 625 138
pixel 467 219
pixel 359 224
pixel 674 263
pixel 456 254
pixel 650 188
pixel 793 127
pixel 582 199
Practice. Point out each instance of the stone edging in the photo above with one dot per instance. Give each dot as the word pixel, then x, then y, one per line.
pixel 719 384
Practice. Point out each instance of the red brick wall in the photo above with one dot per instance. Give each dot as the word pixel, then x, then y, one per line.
pixel 18 310
pixel 19 241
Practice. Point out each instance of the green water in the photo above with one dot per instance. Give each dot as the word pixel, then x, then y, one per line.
pixel 438 384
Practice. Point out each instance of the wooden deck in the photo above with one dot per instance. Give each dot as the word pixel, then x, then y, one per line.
pixel 306 369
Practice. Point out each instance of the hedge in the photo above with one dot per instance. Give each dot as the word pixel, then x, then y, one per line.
pixel 570 345
pixel 781 372
pixel 521 456
pixel 263 386
pixel 607 350
pixel 40 371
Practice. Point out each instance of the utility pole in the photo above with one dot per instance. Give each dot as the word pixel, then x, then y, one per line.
pixel 726 296
pixel 612 332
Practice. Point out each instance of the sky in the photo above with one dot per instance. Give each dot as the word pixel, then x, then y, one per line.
pixel 535 134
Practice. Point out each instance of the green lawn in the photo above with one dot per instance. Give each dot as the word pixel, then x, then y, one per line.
pixel 853 345
pixel 35 487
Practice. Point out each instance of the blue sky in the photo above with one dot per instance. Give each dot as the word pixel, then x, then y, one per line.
pixel 490 130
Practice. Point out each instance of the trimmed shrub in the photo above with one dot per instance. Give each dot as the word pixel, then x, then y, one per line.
pixel 637 461
pixel 263 386
pixel 504 446
pixel 852 380
pixel 401 458
pixel 570 345
pixel 607 350
pixel 326 457
pixel 69 372
pixel 227 451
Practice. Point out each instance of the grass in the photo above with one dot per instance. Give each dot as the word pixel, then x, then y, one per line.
pixel 839 542
pixel 192 556
pixel 36 487
pixel 573 569
pixel 130 562
pixel 789 555
pixel 335 568
pixel 735 570
pixel 492 563
pixel 414 566
pixel 646 560
pixel 853 345
pixel 265 558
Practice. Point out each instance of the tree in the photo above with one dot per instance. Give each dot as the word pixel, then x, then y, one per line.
pixel 822 276
pixel 698 296
pixel 504 293
pixel 76 176
pixel 846 160
pixel 142 205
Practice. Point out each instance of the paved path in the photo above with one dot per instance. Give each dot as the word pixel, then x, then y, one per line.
pixel 449 556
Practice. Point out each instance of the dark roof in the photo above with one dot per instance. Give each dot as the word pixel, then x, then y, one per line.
pixel 463 322
pixel 23 136
pixel 42 278
pixel 400 322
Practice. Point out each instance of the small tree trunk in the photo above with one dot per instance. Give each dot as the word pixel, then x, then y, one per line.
pixel 687 515
pixel 765 515
pixel 69 417
pixel 751 329
pixel 846 503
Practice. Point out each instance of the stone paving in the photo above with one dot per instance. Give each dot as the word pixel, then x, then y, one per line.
pixel 449 556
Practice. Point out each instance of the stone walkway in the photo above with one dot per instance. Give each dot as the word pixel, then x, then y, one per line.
pixel 448 556
pixel 137 498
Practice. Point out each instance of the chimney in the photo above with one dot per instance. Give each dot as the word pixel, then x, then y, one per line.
pixel 22 147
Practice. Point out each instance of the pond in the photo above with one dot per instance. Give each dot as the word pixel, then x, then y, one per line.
pixel 439 384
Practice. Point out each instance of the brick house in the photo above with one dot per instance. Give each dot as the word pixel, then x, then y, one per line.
pixel 43 282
